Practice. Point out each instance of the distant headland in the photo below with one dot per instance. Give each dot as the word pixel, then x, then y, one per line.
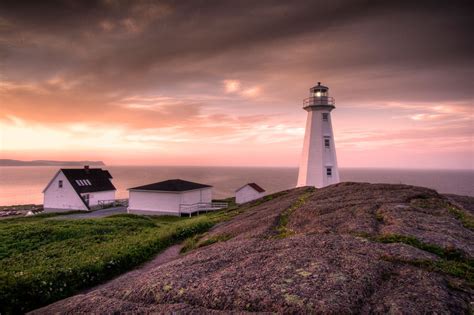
pixel 9 162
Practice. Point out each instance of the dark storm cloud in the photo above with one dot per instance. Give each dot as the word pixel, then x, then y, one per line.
pixel 199 29
pixel 131 47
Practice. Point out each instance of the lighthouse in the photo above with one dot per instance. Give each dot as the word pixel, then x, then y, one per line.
pixel 318 165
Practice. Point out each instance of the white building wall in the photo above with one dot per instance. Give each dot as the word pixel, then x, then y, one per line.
pixel 315 158
pixel 94 197
pixel 247 194
pixel 165 202
pixel 156 202
pixel 61 199
pixel 195 196
pixel 330 157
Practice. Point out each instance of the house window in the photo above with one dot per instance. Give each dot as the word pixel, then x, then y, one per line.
pixel 327 143
pixel 60 184
pixel 83 182
pixel 325 116
pixel 328 171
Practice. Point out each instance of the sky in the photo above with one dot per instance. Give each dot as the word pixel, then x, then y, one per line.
pixel 222 82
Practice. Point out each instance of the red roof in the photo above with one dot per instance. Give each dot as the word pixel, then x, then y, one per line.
pixel 254 186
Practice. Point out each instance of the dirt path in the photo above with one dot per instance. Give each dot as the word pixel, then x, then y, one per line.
pixel 171 253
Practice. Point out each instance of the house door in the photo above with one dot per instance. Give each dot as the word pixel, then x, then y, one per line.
pixel 86 199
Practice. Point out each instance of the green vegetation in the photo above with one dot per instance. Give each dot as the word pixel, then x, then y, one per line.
pixel 43 260
pixel 233 209
pixel 196 242
pixel 466 219
pixel 452 261
pixel 268 198
pixel 282 229
pixel 445 253
pixel 379 217
pixel 427 202
pixel 459 269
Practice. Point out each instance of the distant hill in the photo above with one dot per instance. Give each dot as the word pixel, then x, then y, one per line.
pixel 8 162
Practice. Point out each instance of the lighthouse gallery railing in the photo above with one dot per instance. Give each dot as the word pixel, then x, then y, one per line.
pixel 319 100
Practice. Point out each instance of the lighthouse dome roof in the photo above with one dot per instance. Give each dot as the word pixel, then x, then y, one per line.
pixel 319 87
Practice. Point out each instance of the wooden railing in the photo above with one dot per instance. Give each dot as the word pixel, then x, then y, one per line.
pixel 113 203
pixel 201 207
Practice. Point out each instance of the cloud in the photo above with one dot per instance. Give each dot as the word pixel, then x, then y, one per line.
pixel 231 86
pixel 252 92
pixel 235 72
pixel 425 117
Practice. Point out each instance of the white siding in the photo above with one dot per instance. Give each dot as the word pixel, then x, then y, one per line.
pixel 165 202
pixel 154 201
pixel 94 197
pixel 247 194
pixel 195 196
pixel 315 158
pixel 61 199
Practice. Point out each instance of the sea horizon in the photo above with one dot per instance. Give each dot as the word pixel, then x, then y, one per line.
pixel 24 184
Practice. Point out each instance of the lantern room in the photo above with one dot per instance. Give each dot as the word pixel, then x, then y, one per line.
pixel 319 90
pixel 318 96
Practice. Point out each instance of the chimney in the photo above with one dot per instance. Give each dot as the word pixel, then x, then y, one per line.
pixel 86 168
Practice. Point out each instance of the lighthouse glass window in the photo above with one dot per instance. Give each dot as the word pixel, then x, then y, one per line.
pixel 325 116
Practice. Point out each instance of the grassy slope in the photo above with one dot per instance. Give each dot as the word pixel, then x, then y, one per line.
pixel 44 260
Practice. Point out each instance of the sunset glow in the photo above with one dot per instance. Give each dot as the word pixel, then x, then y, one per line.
pixel 190 84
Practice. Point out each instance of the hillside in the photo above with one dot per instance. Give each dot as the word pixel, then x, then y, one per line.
pixel 9 162
pixel 347 248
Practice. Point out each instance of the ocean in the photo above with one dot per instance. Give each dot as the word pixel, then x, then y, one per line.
pixel 24 185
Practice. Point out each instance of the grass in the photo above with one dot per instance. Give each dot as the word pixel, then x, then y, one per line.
pixel 453 262
pixel 44 260
pixel 196 242
pixel 233 209
pixel 445 253
pixel 467 219
pixel 282 229
pixel 459 269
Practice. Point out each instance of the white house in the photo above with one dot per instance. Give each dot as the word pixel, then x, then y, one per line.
pixel 170 197
pixel 248 192
pixel 78 189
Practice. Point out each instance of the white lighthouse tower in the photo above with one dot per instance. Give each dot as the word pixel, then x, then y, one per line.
pixel 318 166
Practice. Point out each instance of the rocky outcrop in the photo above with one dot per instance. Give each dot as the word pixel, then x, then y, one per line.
pixel 347 248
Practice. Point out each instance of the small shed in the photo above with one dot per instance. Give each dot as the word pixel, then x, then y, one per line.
pixel 170 197
pixel 248 192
